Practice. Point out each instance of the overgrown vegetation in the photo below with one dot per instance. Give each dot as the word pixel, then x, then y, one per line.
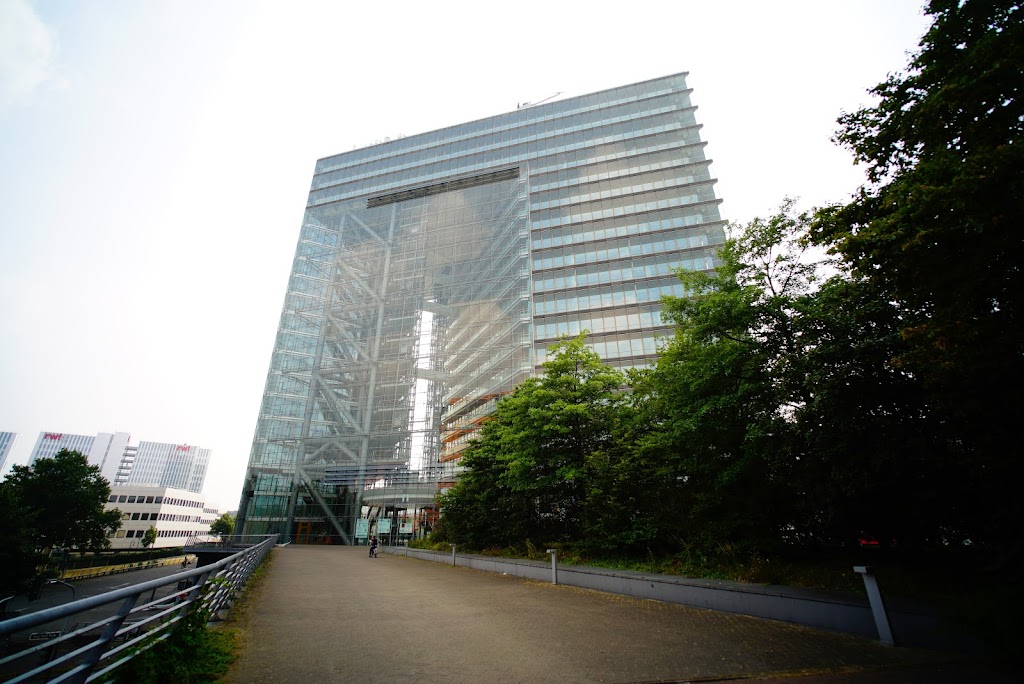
pixel 808 407
pixel 198 651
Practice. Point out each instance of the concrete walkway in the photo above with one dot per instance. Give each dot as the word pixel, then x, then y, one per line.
pixel 331 614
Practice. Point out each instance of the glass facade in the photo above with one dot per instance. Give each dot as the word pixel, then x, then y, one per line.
pixel 433 272
pixel 161 464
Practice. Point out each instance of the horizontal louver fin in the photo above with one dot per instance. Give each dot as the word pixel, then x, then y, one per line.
pixel 447 186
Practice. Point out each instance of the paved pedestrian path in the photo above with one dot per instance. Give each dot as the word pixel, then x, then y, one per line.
pixel 331 614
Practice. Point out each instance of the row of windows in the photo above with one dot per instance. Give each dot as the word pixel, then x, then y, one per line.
pixel 634 98
pixel 450 166
pixel 397 339
pixel 302 323
pixel 599 324
pixel 506 313
pixel 171 517
pixel 167 501
pixel 620 346
pixel 617 186
pixel 488 353
pixel 620 165
pixel 616 151
pixel 133 534
pixel 287 384
pixel 678 240
pixel 408 281
pixel 607 296
pixel 534 138
pixel 623 206
pixel 623 226
pixel 634 269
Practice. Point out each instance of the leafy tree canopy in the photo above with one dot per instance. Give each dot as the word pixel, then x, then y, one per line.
pixel 722 394
pixel 223 526
pixel 17 552
pixel 938 225
pixel 527 474
pixel 782 417
pixel 64 497
pixel 57 503
pixel 937 232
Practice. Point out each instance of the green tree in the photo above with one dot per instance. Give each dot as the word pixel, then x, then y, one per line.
pixel 18 558
pixel 937 232
pixel 872 455
pixel 64 501
pixel 149 538
pixel 720 402
pixel 776 413
pixel 223 526
pixel 56 503
pixel 528 475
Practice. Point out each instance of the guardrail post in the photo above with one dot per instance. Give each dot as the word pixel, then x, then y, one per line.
pixel 453 555
pixel 877 604
pixel 554 565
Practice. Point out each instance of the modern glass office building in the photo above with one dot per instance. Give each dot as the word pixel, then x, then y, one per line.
pixel 159 464
pixel 149 463
pixel 433 272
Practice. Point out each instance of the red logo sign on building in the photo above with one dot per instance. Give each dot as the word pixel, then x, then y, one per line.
pixel 53 435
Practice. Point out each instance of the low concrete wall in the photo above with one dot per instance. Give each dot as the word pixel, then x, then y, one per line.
pixel 101 570
pixel 913 625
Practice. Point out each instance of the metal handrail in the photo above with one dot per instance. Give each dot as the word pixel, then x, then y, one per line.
pixel 95 658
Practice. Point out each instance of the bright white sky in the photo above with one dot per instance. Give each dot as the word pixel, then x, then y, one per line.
pixel 155 159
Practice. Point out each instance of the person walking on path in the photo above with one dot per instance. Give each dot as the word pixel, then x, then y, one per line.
pixel 373 547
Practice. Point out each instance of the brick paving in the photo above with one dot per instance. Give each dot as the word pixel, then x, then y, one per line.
pixel 331 614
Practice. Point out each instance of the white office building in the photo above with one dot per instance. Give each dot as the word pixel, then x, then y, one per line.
pixel 159 464
pixel 49 443
pixel 104 449
pixel 178 516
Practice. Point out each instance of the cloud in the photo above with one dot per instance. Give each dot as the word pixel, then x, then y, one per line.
pixel 28 52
